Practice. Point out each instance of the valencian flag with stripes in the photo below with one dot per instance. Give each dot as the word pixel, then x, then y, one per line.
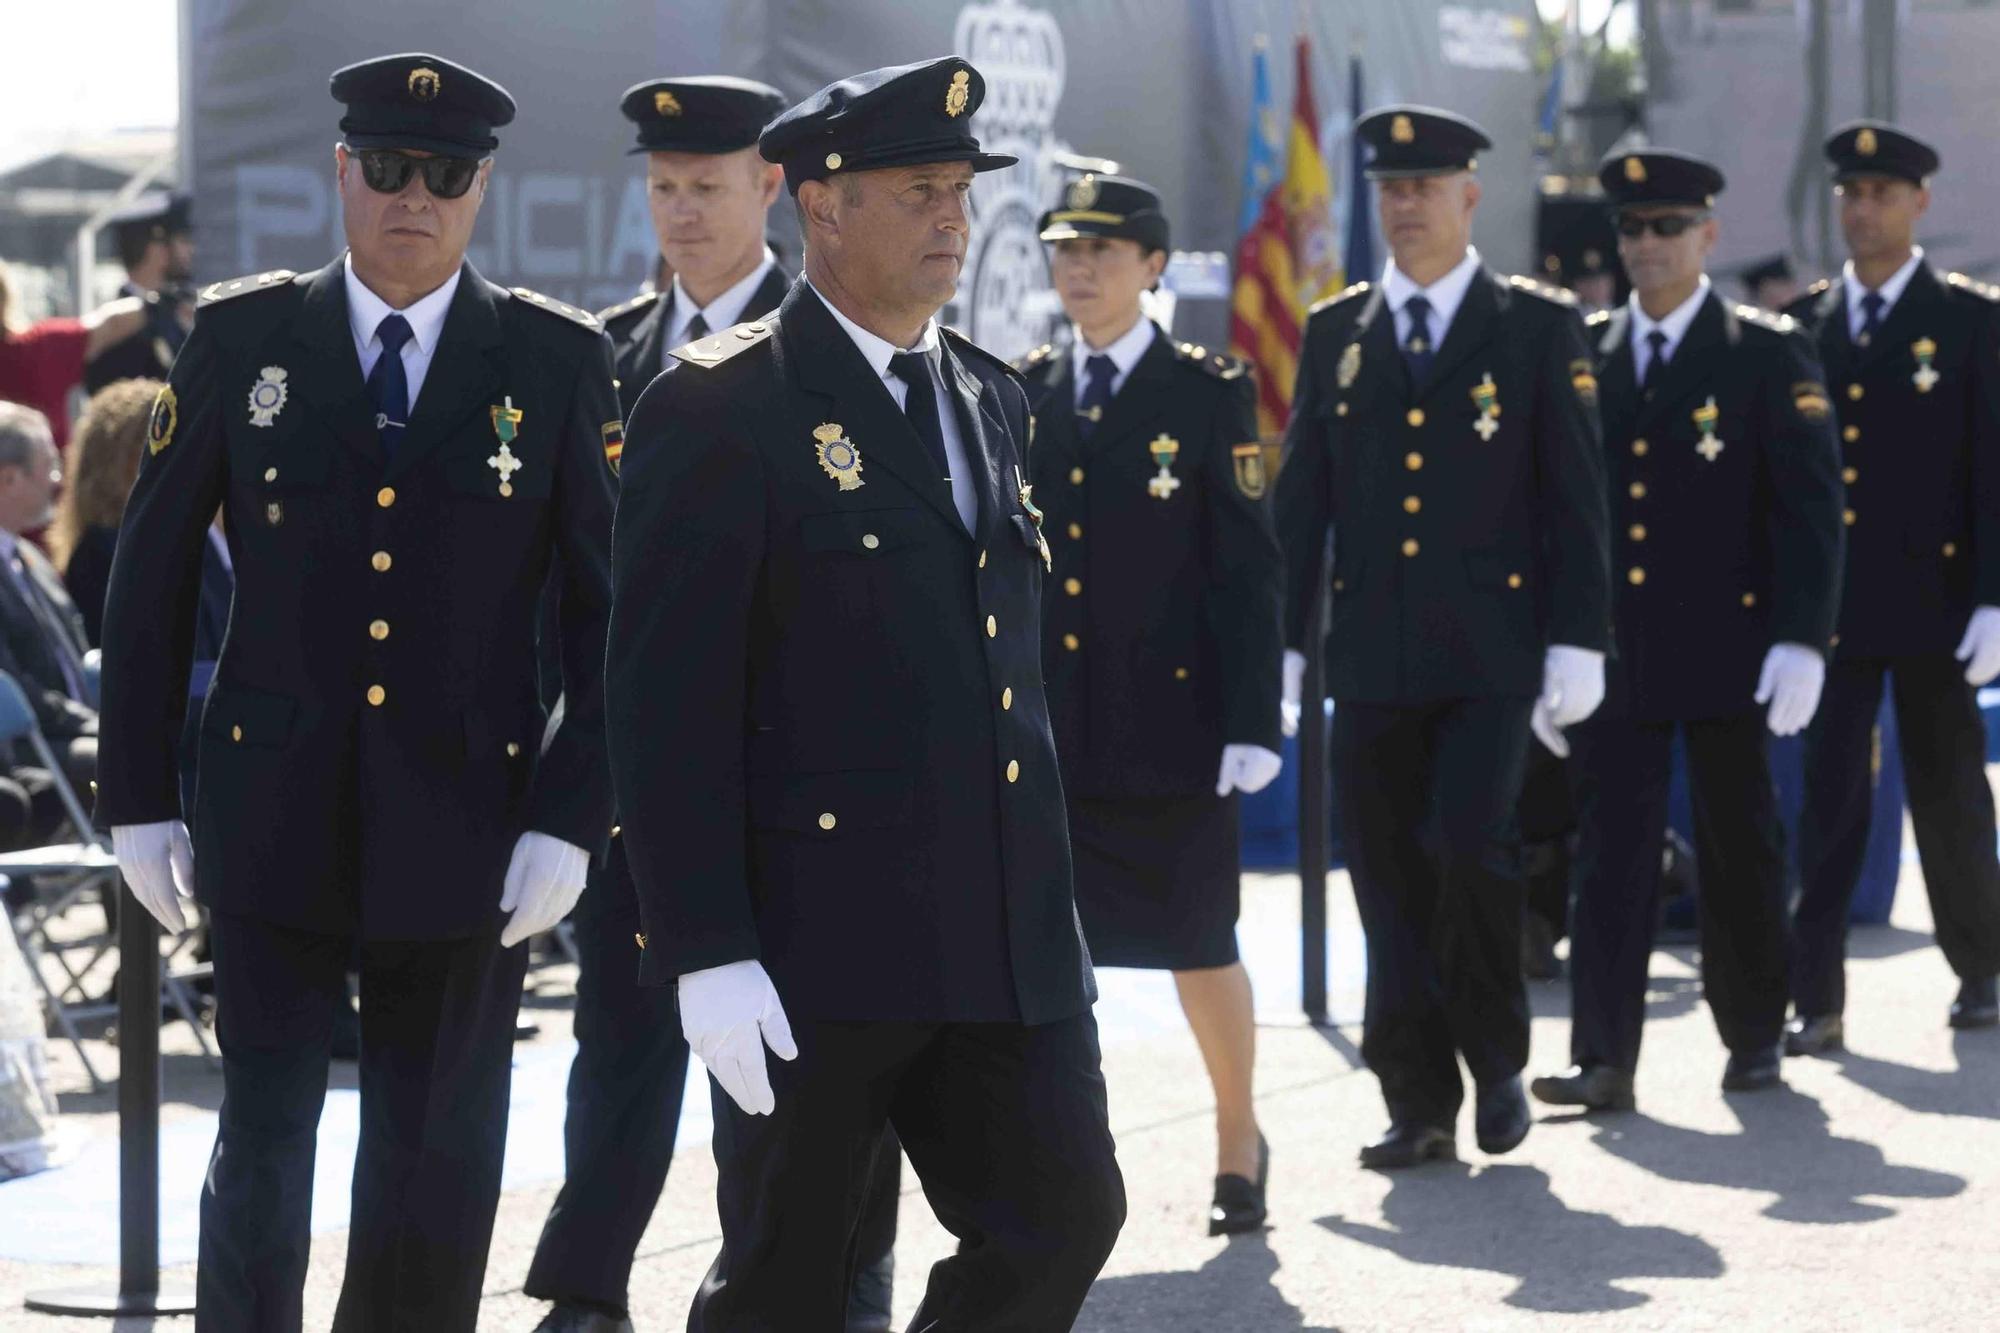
pixel 1290 255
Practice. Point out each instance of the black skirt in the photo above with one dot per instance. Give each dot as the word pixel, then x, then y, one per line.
pixel 1157 880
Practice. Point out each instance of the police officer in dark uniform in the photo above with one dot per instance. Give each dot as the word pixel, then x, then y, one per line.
pixel 155 237
pixel 1913 359
pixel 1161 636
pixel 1725 498
pixel 1770 282
pixel 1441 434
pixel 843 811
pixel 401 448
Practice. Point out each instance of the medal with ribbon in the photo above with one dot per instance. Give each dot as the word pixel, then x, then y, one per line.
pixel 1705 418
pixel 1164 449
pixel 1486 397
pixel 1926 378
pixel 506 425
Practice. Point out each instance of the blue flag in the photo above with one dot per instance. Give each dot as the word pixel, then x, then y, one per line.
pixel 1260 162
pixel 1360 245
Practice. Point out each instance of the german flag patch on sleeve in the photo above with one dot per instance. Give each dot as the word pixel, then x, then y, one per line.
pixel 614 443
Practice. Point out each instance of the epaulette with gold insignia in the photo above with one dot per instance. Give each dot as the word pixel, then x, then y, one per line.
pixel 1326 302
pixel 1985 290
pixel 1541 289
pixel 1765 319
pixel 1219 364
pixel 719 347
pixel 1035 358
pixel 1819 287
pixel 231 288
pixel 536 301
pixel 623 308
pixel 1597 319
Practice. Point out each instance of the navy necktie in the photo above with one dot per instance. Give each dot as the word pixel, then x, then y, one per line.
pixel 389 383
pixel 697 329
pixel 1656 341
pixel 1871 317
pixel 920 404
pixel 1099 371
pixel 1418 349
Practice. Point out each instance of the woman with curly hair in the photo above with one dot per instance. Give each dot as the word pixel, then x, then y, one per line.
pixel 103 459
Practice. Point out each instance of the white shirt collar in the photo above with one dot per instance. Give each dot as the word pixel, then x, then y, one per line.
pixel 1445 294
pixel 726 309
pixel 1124 351
pixel 366 311
pixel 875 350
pixel 1675 325
pixel 1891 291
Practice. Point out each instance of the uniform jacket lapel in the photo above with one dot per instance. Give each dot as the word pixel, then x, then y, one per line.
pixel 327 373
pixel 1138 400
pixel 1690 368
pixel 645 353
pixel 984 433
pixel 1382 367
pixel 467 371
pixel 1914 316
pixel 1471 328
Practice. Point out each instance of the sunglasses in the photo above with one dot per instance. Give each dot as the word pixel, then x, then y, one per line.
pixel 1666 226
pixel 387 172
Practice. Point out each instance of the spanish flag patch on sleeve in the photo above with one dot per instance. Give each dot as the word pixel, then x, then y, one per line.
pixel 614 443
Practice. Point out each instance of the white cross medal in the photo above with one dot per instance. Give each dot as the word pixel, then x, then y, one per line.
pixel 507 425
pixel 1486 397
pixel 1925 378
pixel 1705 418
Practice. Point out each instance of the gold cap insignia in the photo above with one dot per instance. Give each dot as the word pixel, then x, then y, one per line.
pixel 166 415
pixel 838 457
pixel 665 103
pixel 1864 143
pixel 1402 131
pixel 1635 171
pixel 1083 192
pixel 960 92
pixel 425 84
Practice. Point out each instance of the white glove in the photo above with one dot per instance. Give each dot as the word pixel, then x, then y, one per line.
pixel 544 880
pixel 1290 709
pixel 1246 768
pixel 1980 648
pixel 1790 682
pixel 1572 688
pixel 157 860
pixel 729 1014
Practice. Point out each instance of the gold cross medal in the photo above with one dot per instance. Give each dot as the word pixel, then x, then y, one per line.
pixel 1925 379
pixel 507 425
pixel 838 457
pixel 1026 491
pixel 1164 449
pixel 1486 397
pixel 268 395
pixel 1705 418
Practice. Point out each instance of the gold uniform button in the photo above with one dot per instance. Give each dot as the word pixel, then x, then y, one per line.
pixel 1071 642
pixel 1073 587
pixel 270 474
pixel 1635 576
pixel 381 562
pixel 1749 599
pixel 1415 416
pixel 1639 448
pixel 870 540
pixel 1513 580
pixel 1950 550
pixel 1847 517
pixel 1637 532
pixel 514 752
pixel 1410 546
pixel 1180 673
pixel 1076 476
pixel 1413 461
pixel 386 496
pixel 1850 433
pixel 1340 585
pixel 1013 770
pixel 378 630
pixel 376 696
pixel 1850 475
pixel 1637 490
pixel 1075 531
pixel 1340 409
pixel 236 733
pixel 1006 698
pixel 827 821
pixel 1854 393
pixel 992 627
pixel 1412 504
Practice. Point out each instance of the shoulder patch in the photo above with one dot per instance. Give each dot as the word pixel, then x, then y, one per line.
pixel 231 288
pixel 536 301
pixel 1219 364
pixel 1984 290
pixel 1529 285
pixel 964 344
pixel 719 347
pixel 1765 319
pixel 1327 302
pixel 623 308
pixel 1032 359
pixel 1597 319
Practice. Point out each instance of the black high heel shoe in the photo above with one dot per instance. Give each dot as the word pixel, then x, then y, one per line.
pixel 1239 1203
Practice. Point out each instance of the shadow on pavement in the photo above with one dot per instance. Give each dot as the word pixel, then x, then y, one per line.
pixel 1786 1149
pixel 1234 1290
pixel 1972 1089
pixel 1506 1219
pixel 1886 941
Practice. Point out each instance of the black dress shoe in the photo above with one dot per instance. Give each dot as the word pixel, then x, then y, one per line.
pixel 1407 1145
pixel 1593 1087
pixel 1239 1203
pixel 570 1317
pixel 1809 1035
pixel 1977 1005
pixel 870 1299
pixel 1752 1071
pixel 1501 1118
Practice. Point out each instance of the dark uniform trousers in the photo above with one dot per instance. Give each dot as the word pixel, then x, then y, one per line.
pixel 1467 518
pixel 1725 498
pixel 1919 408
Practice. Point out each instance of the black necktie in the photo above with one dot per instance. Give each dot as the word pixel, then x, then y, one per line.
pixel 1099 371
pixel 697 329
pixel 1871 317
pixel 1657 341
pixel 1418 349
pixel 389 383
pixel 920 404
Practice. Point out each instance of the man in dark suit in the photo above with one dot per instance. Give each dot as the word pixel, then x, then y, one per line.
pixel 1725 495
pixel 1442 435
pixel 1913 359
pixel 401 448
pixel 843 813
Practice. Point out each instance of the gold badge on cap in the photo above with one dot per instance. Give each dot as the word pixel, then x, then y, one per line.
pixel 166 415
pixel 665 103
pixel 268 396
pixel 1926 378
pixel 1401 130
pixel 1705 418
pixel 1350 365
pixel 1083 191
pixel 1635 171
pixel 506 425
pixel 1864 142
pixel 1249 460
pixel 1164 449
pixel 425 84
pixel 960 92
pixel 838 457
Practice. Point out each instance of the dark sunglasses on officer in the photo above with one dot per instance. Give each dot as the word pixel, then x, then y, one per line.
pixel 1666 226
pixel 387 171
